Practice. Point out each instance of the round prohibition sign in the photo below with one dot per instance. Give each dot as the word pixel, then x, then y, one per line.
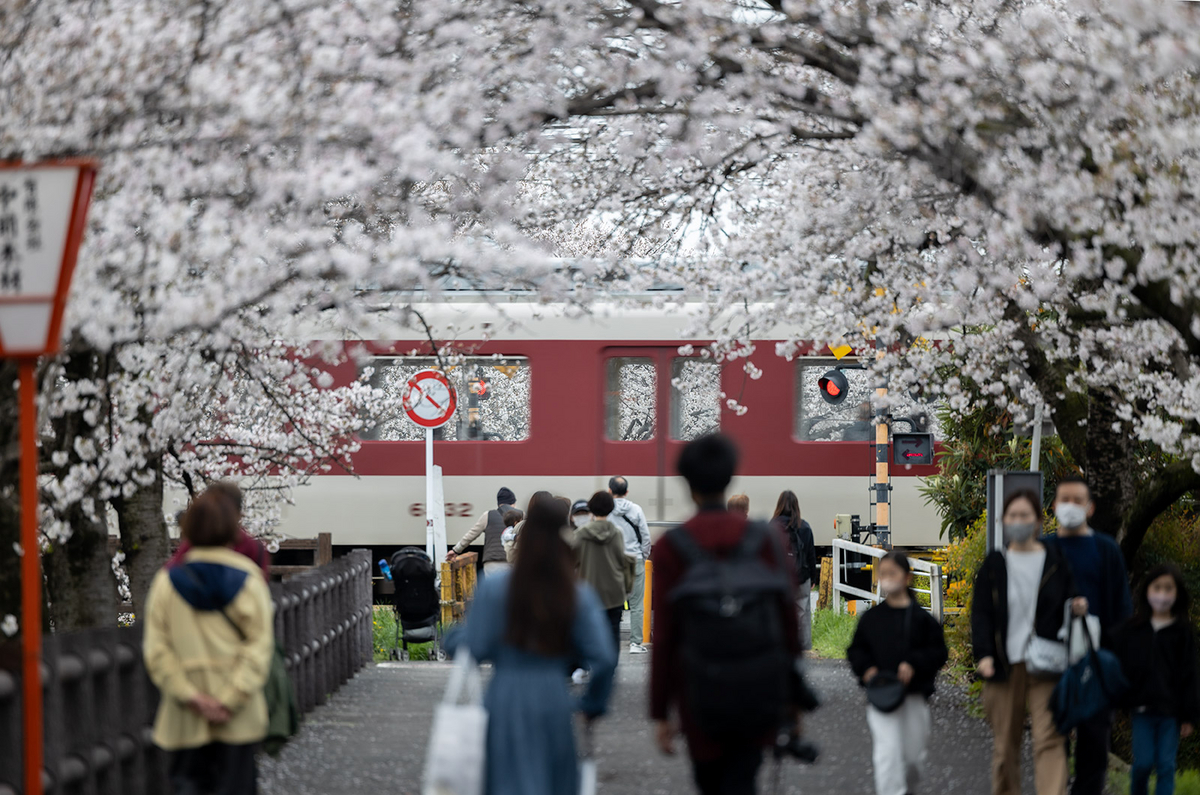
pixel 429 399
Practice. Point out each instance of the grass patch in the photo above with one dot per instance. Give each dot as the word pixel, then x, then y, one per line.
pixel 832 633
pixel 383 633
pixel 1187 782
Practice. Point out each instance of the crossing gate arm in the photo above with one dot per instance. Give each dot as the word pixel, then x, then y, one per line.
pixel 932 570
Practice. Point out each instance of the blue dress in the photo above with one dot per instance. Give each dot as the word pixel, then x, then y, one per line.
pixel 531 738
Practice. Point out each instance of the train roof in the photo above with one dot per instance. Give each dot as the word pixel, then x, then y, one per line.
pixel 475 315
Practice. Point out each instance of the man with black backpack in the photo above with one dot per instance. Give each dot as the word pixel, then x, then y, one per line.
pixel 726 644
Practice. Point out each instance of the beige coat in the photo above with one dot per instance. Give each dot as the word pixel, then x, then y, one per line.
pixel 190 651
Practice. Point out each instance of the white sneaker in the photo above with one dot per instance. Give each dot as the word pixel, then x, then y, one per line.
pixel 579 676
pixel 637 648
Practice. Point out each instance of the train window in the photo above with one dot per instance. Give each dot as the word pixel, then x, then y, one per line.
pixel 848 421
pixel 695 398
pixel 852 419
pixel 630 399
pixel 493 399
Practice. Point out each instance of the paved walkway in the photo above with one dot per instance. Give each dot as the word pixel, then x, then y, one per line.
pixel 371 739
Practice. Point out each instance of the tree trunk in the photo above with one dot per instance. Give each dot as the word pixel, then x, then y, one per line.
pixel 10 498
pixel 1154 496
pixel 1109 465
pixel 83 590
pixel 144 537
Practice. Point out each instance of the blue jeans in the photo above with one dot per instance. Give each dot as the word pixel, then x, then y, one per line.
pixel 1155 742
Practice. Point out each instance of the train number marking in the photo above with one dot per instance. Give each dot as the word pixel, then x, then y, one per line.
pixel 453 509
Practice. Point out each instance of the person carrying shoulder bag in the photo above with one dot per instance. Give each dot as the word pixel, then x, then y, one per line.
pixel 208 648
pixel 896 654
pixel 1016 620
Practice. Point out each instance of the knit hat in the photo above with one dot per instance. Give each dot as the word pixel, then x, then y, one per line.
pixel 505 496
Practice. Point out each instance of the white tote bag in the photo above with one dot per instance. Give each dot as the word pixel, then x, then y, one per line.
pixel 457 745
pixel 1079 643
pixel 587 763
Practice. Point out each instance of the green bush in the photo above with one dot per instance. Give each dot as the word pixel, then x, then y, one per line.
pixel 963 558
pixel 832 633
pixel 383 633
pixel 973 443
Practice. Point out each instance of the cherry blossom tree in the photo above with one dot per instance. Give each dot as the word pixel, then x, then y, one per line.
pixel 992 192
pixel 996 192
pixel 240 191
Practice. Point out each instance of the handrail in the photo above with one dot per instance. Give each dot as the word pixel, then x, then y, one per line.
pixel 100 703
pixel 933 570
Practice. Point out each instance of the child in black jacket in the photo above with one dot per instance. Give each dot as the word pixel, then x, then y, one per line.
pixel 1157 650
pixel 897 640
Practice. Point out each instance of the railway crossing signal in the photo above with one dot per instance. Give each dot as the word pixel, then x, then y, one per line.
pixel 912 448
pixel 834 387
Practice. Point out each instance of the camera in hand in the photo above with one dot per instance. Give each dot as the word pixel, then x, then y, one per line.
pixel 789 743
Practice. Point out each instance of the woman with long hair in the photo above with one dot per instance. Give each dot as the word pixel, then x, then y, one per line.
pixel 529 623
pixel 802 550
pixel 1157 649
pixel 512 535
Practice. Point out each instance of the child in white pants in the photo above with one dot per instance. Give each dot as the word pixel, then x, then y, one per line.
pixel 899 647
pixel 900 741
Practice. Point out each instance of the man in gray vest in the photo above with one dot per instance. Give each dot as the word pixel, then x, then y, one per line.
pixel 491 524
pixel 631 519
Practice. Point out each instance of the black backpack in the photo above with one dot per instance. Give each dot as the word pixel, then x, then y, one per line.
pixel 736 667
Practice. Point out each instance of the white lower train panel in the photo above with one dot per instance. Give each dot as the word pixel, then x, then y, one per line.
pixel 389 510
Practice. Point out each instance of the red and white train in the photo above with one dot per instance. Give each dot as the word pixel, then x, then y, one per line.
pixel 572 400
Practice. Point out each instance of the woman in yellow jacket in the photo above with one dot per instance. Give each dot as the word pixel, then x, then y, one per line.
pixel 208 646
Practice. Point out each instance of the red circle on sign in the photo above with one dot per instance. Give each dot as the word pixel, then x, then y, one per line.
pixel 430 399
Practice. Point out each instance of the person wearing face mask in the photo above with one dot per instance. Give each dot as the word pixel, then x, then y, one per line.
pixel 897 645
pixel 599 549
pixel 1157 650
pixel 1099 570
pixel 1020 592
pixel 580 514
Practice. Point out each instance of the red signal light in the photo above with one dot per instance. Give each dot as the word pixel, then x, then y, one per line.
pixel 834 387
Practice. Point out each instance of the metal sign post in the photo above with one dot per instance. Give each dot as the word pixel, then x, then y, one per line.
pixel 43 211
pixel 1001 484
pixel 883 486
pixel 430 401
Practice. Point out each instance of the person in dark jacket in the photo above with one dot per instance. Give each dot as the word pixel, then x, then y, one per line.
pixel 491 525
pixel 803 552
pixel 243 544
pixel 1157 650
pixel 898 639
pixel 599 548
pixel 720 766
pixel 1020 592
pixel 1099 570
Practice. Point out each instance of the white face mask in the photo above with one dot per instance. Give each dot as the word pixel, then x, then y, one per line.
pixel 1070 515
pixel 1160 603
pixel 580 519
pixel 889 587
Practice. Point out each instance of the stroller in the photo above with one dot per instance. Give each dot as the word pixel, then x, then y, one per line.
pixel 417 603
